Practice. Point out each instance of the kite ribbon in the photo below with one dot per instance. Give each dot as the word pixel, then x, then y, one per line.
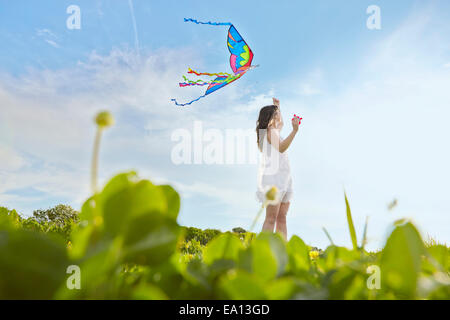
pixel 209 22
pixel 188 103
pixel 209 74
pixel 187 82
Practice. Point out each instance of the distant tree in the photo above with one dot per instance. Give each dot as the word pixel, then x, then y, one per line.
pixel 9 217
pixel 57 220
pixel 239 230
pixel 59 215
pixel 202 236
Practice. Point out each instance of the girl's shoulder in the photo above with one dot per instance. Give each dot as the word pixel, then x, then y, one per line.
pixel 273 132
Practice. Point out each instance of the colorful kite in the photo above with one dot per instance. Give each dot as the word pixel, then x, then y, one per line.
pixel 240 61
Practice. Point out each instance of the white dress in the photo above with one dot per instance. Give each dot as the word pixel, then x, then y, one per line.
pixel 274 170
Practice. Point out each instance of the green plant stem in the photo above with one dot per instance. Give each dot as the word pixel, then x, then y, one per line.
pixel 249 232
pixel 257 217
pixel 94 164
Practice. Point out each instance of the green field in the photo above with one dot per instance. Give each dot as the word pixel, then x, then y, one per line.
pixel 128 245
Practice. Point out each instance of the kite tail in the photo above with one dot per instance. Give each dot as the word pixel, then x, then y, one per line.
pixel 188 103
pixel 209 22
pixel 187 82
pixel 220 74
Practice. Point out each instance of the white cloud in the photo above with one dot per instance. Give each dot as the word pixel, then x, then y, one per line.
pixel 45 32
pixel 48 37
pixel 229 196
pixel 306 89
pixel 310 86
pixel 10 160
pixel 52 43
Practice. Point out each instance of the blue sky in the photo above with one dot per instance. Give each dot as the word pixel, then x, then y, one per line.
pixel 374 102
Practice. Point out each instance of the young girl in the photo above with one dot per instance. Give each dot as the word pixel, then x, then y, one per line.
pixel 274 167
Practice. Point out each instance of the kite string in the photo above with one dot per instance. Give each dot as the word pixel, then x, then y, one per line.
pixel 209 22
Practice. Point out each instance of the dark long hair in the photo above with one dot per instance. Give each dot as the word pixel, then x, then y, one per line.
pixel 265 115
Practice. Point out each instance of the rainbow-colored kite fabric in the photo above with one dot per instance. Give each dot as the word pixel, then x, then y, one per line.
pixel 240 61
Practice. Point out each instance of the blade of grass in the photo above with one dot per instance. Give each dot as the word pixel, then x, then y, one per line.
pixel 351 227
pixel 364 239
pixel 328 235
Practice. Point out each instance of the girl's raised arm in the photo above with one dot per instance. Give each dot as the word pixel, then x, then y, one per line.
pixel 282 145
pixel 272 134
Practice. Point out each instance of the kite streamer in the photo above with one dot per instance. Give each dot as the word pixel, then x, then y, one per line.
pixel 240 62
pixel 208 74
pixel 209 22
pixel 189 82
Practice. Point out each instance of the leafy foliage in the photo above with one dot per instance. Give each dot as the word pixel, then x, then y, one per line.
pixel 128 245
pixel 201 236
pixel 58 220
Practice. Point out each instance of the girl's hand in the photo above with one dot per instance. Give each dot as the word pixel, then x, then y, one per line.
pixel 295 124
pixel 276 102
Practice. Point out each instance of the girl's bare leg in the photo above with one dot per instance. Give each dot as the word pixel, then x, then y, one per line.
pixel 281 219
pixel 271 217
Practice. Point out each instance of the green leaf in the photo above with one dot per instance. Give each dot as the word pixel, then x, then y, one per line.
pixel 82 237
pixel 97 270
pixel 440 254
pixel 298 255
pixel 241 285
pixel 151 239
pixel 347 283
pixel 266 257
pixel 335 257
pixel 221 266
pixel 148 292
pixel 32 265
pixel 263 262
pixel 278 248
pixel 172 200
pixel 351 227
pixel 280 289
pixel 127 204
pixel 169 277
pixel 225 246
pixel 118 183
pixel 401 260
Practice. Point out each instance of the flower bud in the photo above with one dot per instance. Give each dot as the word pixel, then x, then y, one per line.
pixel 313 254
pixel 104 119
pixel 271 194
